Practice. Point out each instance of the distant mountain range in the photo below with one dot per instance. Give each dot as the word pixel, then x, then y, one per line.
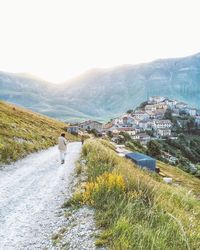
pixel 104 93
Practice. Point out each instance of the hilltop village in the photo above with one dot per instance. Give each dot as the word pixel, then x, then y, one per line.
pixel 166 129
pixel 156 119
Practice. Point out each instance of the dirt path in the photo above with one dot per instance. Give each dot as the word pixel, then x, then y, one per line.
pixel 31 194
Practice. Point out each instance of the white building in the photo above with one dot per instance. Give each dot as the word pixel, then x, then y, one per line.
pixel 144 138
pixel 143 125
pixel 131 132
pixel 159 113
pixel 191 111
pixel 152 114
pixel 156 99
pixel 150 125
pixel 162 106
pixel 162 124
pixel 124 120
pixel 141 115
pixel 135 137
pixel 175 112
pixel 197 120
pixel 136 121
pixel 127 119
pixel 163 132
pixel 73 129
pixel 150 107
pixel 171 103
pixel 89 125
pixel 181 105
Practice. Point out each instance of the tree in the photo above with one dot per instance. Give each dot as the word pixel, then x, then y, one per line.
pixel 181 137
pixel 109 134
pixel 190 124
pixel 183 113
pixel 142 105
pixel 168 114
pixel 153 149
pixel 150 132
pixel 130 111
pixel 126 136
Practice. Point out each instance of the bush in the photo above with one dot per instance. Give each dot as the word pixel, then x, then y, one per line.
pixel 153 149
pixel 106 186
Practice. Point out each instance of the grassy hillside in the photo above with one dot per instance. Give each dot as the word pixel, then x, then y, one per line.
pixel 134 208
pixel 23 132
pixel 180 177
pixel 185 149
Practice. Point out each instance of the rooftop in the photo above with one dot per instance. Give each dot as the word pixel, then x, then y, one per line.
pixel 90 121
pixel 162 121
pixel 139 156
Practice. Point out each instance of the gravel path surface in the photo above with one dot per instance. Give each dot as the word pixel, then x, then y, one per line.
pixel 32 192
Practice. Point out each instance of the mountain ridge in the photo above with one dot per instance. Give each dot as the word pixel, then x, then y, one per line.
pixel 104 93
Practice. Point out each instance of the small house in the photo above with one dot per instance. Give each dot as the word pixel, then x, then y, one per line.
pixel 191 111
pixel 162 124
pixel 73 129
pixel 181 105
pixel 89 125
pixel 156 99
pixel 144 138
pixel 197 121
pixel 150 107
pixel 142 160
pixel 141 115
pixel 164 132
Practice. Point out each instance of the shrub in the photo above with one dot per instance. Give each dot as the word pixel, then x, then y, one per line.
pixel 153 149
pixel 107 185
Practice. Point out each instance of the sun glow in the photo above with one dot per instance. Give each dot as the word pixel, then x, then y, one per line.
pixel 58 39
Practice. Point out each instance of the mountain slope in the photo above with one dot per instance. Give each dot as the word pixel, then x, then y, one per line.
pixel 32 93
pixel 109 92
pixel 23 132
pixel 104 93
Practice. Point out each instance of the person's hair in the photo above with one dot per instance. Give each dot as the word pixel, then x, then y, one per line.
pixel 63 134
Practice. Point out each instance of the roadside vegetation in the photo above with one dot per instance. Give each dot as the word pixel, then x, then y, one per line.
pixel 185 149
pixel 23 132
pixel 134 208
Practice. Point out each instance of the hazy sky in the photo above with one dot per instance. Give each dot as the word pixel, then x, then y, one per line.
pixel 57 39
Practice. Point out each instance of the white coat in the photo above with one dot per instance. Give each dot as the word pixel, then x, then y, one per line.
pixel 62 144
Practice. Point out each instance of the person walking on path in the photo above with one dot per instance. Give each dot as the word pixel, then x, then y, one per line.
pixel 82 139
pixel 62 146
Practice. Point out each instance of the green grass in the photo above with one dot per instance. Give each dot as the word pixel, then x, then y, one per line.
pixel 186 148
pixel 23 132
pixel 134 208
pixel 180 177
